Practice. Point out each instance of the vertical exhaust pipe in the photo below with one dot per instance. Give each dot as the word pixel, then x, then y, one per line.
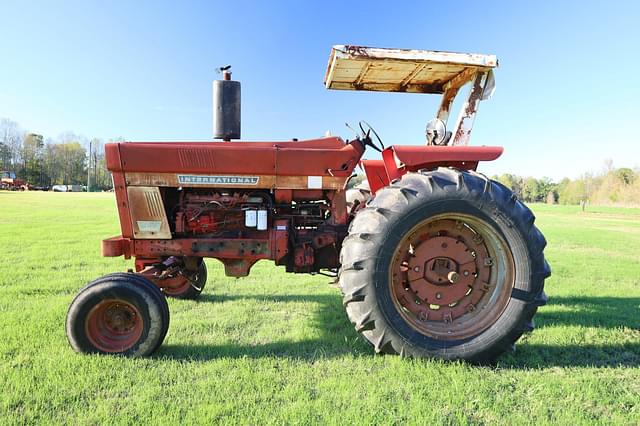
pixel 226 106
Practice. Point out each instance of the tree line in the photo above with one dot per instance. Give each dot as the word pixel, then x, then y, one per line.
pixel 612 186
pixel 69 159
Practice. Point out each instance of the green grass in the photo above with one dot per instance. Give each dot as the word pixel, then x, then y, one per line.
pixel 277 348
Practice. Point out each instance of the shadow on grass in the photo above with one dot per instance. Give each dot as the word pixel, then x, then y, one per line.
pixel 338 337
pixel 327 300
pixel 536 356
pixel 308 350
pixel 601 312
pixel 532 356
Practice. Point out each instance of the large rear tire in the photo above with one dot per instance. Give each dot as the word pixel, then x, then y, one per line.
pixel 444 264
pixel 119 313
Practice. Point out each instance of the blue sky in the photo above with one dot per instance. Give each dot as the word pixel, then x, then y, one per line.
pixel 567 87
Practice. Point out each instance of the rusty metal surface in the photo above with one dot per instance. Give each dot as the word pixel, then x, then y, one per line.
pixel 448 278
pixel 327 157
pixel 148 217
pixel 263 181
pixel 116 246
pixel 174 275
pixel 417 156
pixel 114 325
pixel 376 174
pixel 464 125
pixel 400 159
pixel 402 70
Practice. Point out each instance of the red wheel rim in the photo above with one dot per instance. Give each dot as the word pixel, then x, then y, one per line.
pixel 176 286
pixel 114 325
pixel 451 276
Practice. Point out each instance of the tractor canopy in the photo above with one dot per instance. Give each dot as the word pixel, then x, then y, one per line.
pixel 416 71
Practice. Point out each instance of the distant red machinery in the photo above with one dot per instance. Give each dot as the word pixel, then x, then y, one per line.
pixel 9 181
pixel 433 259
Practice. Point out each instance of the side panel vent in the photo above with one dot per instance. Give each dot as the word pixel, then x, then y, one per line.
pixel 148 218
pixel 196 158
pixel 154 204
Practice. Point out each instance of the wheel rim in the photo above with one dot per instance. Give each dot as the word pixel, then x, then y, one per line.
pixel 180 284
pixel 176 286
pixel 114 325
pixel 451 276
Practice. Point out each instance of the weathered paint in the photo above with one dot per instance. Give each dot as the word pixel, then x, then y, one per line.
pixel 416 71
pixel 400 159
pixel 464 125
pixel 401 70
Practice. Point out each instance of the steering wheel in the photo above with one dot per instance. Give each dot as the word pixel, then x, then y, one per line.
pixel 367 136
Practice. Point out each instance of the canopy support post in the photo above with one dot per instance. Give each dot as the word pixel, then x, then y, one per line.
pixel 464 125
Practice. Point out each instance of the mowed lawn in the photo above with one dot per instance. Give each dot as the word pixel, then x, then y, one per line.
pixel 277 348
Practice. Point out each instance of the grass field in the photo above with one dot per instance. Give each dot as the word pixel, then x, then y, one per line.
pixel 277 349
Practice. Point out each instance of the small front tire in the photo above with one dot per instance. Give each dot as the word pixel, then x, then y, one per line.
pixel 123 314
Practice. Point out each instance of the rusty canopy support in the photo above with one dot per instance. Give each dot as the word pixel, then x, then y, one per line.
pixel 481 89
pixel 451 90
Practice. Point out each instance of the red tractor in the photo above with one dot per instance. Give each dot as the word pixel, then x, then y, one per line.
pixel 9 181
pixel 433 258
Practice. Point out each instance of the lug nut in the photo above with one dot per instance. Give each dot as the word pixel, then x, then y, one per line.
pixel 453 277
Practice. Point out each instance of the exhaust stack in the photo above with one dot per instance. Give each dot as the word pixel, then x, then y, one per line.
pixel 226 107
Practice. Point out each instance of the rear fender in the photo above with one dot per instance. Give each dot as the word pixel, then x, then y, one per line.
pixel 398 160
pixel 376 174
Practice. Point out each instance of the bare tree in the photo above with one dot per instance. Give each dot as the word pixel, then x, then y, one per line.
pixel 11 137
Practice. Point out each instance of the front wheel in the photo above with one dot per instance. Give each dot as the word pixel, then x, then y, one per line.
pixel 444 264
pixel 119 313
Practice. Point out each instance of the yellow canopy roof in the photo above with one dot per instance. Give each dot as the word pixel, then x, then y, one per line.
pixel 402 70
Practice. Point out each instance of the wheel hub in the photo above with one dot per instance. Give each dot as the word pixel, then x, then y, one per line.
pixel 120 318
pixel 442 273
pixel 114 325
pixel 442 269
pixel 438 270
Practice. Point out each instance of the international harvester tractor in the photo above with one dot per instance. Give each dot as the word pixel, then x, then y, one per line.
pixel 433 258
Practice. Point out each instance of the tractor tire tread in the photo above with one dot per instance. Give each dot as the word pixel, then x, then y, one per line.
pixel 112 284
pixel 366 231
